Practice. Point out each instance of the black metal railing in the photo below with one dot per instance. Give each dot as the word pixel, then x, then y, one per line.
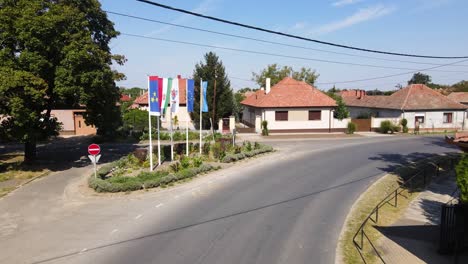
pixel 424 177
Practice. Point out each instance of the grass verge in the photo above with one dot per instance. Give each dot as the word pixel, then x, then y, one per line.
pixel 347 252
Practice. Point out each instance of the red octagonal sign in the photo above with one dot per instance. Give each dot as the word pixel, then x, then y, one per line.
pixel 94 149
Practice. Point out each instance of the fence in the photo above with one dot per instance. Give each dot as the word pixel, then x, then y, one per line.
pixel 421 178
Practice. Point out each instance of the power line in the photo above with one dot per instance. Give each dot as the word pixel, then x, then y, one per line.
pixel 266 41
pixel 393 75
pixel 280 55
pixel 295 36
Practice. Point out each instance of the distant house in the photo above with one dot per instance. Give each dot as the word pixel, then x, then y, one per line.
pixel 417 102
pixel 125 98
pixel 182 115
pixel 291 106
pixel 73 122
pixel 459 97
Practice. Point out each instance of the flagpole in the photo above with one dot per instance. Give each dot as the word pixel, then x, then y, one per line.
pixel 159 142
pixel 149 124
pixel 172 132
pixel 201 116
pixel 186 119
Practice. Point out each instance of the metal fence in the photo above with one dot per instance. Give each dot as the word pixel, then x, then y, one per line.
pixel 421 179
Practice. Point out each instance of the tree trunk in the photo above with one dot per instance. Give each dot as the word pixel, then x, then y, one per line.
pixel 30 152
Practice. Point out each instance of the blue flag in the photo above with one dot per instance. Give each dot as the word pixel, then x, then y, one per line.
pixel 153 96
pixel 190 94
pixel 205 104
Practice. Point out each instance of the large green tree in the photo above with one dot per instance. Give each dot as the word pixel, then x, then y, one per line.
pixel 55 54
pixel 277 73
pixel 420 78
pixel 219 106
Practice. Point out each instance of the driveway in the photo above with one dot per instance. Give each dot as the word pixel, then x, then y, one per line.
pixel 286 207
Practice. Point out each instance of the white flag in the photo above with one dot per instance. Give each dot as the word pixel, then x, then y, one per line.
pixel 175 95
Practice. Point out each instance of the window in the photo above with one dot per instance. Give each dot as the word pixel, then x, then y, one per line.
pixel 448 117
pixel 315 115
pixel 281 115
pixel 79 123
pixel 419 119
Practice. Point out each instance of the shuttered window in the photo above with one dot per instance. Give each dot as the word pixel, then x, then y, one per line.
pixel 448 117
pixel 315 115
pixel 281 115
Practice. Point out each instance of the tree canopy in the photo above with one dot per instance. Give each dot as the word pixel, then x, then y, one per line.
pixel 212 69
pixel 277 73
pixel 55 54
pixel 420 78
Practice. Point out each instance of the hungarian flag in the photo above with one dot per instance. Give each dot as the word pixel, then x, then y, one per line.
pixel 190 95
pixel 167 84
pixel 205 104
pixel 153 96
pixel 175 96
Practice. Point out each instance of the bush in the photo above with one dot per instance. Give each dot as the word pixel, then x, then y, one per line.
pixel 265 131
pixel 197 162
pixel 235 157
pixel 351 128
pixel 404 124
pixel 247 146
pixel 185 162
pixel 387 126
pixel 462 178
pixel 218 151
pixel 206 148
pixel 176 166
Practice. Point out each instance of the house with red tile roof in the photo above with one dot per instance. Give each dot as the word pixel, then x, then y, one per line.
pixel 125 98
pixel 416 103
pixel 459 97
pixel 291 106
pixel 182 115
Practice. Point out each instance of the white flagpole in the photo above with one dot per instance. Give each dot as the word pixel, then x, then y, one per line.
pixel 186 120
pixel 172 132
pixel 149 124
pixel 159 141
pixel 201 115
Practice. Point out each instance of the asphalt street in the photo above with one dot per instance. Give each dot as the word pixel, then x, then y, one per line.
pixel 285 207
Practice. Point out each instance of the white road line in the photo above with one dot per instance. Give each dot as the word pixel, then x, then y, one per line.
pixel 159 205
pixel 138 216
pixel 113 231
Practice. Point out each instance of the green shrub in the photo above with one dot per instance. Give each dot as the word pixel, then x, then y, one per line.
pixel 265 131
pixel 462 178
pixel 218 151
pixel 197 162
pixel 257 145
pixel 175 167
pixel 351 128
pixel 185 162
pixel 206 148
pixel 404 125
pixel 387 126
pixel 247 146
pixel 235 157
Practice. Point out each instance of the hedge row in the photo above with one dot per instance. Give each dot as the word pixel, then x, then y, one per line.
pixel 235 157
pixel 143 181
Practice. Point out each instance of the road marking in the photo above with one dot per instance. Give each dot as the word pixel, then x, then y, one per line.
pixel 113 231
pixel 138 216
pixel 159 205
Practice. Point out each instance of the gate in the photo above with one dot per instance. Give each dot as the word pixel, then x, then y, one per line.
pixel 363 125
pixel 225 125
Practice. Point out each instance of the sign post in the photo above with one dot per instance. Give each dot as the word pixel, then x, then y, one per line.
pixel 94 156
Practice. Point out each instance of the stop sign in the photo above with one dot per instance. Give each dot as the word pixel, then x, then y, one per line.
pixel 94 149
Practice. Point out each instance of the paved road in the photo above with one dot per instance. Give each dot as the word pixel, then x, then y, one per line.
pixel 287 207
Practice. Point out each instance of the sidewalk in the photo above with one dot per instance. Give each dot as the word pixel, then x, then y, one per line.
pixel 414 237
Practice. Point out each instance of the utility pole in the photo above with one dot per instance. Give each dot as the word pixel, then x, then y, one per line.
pixel 214 99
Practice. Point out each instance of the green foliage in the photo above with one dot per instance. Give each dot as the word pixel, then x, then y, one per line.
pixel 247 146
pixel 219 151
pixel 462 178
pixel 137 119
pixel 461 86
pixel 277 73
pixel 265 131
pixel 206 148
pixel 387 126
pixel 239 96
pixel 176 166
pixel 404 125
pixel 55 54
pixel 133 92
pixel 145 180
pixel 232 157
pixel 351 128
pixel 209 70
pixel 341 112
pixel 185 162
pixel 197 162
pixel 420 78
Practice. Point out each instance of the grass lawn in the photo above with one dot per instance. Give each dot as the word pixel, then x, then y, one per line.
pixel 13 172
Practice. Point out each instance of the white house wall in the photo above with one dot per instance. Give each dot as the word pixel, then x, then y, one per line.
pixel 434 119
pixel 182 116
pixel 297 119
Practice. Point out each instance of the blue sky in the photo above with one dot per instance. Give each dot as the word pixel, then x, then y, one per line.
pixel 434 27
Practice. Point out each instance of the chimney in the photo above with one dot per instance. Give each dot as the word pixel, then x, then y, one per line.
pixel 178 76
pixel 267 86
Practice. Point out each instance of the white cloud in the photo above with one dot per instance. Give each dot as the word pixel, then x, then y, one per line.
pixel 341 3
pixel 362 15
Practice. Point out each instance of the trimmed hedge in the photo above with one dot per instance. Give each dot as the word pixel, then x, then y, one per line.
pixel 144 180
pixel 235 157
